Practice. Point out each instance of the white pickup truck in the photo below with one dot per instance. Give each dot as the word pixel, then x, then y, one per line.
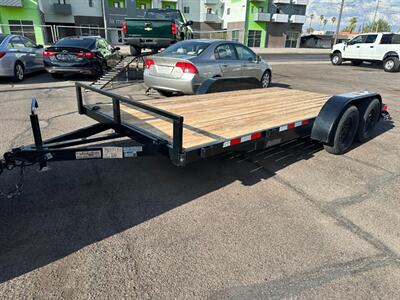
pixel 371 47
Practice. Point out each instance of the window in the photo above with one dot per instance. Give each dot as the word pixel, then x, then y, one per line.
pixel 291 39
pixel 254 39
pixel 61 2
pixel 90 3
pixel 187 48
pixel 371 38
pixel 23 27
pixel 261 9
pixel 209 10
pixel 245 53
pixel 186 9
pixel 235 35
pixel 390 39
pixel 28 43
pixel 228 11
pixel 225 52
pixel 16 43
pixel 358 40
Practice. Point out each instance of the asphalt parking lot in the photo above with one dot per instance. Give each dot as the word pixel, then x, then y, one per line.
pixel 290 222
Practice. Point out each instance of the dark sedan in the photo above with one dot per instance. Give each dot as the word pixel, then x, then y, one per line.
pixel 80 55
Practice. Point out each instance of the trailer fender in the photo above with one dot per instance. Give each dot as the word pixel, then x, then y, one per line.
pixel 325 125
pixel 226 84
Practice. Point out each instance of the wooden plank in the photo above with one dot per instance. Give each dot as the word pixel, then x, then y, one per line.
pixel 223 116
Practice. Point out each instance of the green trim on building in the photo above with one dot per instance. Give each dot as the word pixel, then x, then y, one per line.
pixel 168 4
pixel 28 12
pixel 140 4
pixel 254 7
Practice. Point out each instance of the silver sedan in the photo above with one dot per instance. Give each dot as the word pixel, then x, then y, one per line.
pixel 184 66
pixel 19 56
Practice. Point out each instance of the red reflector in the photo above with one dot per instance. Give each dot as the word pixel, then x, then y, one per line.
pixel 290 126
pixel 305 122
pixel 187 67
pixel 235 141
pixel 385 107
pixel 2 54
pixel 149 63
pixel 124 27
pixel 48 53
pixel 256 135
pixel 173 28
pixel 85 54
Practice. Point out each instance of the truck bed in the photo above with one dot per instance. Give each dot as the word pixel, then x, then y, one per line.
pixel 213 118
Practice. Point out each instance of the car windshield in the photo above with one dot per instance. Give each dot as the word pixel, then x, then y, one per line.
pixel 187 48
pixel 87 43
pixel 162 15
pixel 2 37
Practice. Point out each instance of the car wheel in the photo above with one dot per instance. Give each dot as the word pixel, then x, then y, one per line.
pixel 345 132
pixel 336 59
pixel 57 75
pixel 391 64
pixel 135 51
pixel 356 62
pixel 369 119
pixel 19 72
pixel 266 79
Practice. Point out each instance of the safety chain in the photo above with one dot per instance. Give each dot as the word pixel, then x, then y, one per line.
pixel 17 191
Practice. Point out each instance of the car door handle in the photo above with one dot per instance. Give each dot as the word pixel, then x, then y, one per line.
pixel 225 66
pixel 358 46
pixel 371 46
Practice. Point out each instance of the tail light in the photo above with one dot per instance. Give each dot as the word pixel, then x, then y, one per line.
pixel 48 53
pixel 2 54
pixel 86 54
pixel 149 63
pixel 385 107
pixel 174 29
pixel 124 27
pixel 187 67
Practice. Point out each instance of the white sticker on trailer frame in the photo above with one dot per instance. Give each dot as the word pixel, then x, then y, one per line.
pixel 112 152
pixel 91 154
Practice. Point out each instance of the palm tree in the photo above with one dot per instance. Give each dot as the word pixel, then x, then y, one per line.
pixel 333 20
pixel 325 22
pixel 311 19
pixel 321 18
pixel 353 23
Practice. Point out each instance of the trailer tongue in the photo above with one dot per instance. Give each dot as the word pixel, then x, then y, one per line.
pixel 191 128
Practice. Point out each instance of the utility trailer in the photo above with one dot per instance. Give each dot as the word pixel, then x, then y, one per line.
pixel 191 128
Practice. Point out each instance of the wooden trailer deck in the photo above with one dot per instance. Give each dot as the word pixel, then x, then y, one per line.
pixel 217 117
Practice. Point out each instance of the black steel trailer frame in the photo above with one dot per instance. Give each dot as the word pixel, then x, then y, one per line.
pixel 74 145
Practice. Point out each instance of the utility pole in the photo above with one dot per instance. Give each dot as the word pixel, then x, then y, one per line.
pixel 103 7
pixel 338 24
pixel 376 12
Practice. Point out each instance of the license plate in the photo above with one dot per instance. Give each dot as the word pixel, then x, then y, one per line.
pixel 164 69
pixel 66 57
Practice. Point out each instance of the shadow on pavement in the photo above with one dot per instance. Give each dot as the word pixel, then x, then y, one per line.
pixel 77 204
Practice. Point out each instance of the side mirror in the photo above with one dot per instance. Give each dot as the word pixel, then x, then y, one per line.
pixel 117 48
pixel 258 58
pixel 39 46
pixel 189 23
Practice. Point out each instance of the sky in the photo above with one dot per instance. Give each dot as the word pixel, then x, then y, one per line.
pixel 363 10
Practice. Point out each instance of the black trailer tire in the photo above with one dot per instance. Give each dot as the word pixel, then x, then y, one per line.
pixel 391 64
pixel 356 62
pixel 345 132
pixel 19 72
pixel 368 120
pixel 135 51
pixel 336 59
pixel 165 93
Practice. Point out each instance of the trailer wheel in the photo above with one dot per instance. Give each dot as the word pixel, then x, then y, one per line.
pixel 345 132
pixel 135 51
pixel 368 121
pixel 336 59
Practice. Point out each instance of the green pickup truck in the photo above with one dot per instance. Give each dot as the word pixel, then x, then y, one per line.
pixel 159 28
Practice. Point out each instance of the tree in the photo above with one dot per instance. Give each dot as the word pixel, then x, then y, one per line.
pixel 310 30
pixel 333 20
pixel 351 26
pixel 321 18
pixel 311 19
pixel 379 26
pixel 325 22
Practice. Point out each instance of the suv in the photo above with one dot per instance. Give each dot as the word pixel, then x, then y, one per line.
pixel 371 47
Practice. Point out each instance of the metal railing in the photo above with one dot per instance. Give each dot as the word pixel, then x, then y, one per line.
pixel 229 35
pixel 40 34
pixel 114 35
